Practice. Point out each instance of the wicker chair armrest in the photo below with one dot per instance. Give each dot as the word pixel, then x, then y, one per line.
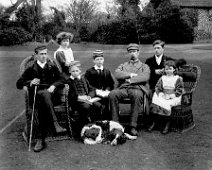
pixel 187 98
pixel 66 88
pixel 26 95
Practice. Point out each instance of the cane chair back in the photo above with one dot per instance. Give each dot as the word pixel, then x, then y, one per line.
pixel 182 117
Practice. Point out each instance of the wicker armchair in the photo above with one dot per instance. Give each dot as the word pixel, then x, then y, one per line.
pixel 182 117
pixel 61 108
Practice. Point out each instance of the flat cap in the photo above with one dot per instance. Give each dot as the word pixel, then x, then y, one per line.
pixel 98 53
pixel 132 46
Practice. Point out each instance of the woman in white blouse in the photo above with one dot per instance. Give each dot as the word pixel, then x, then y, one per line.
pixel 64 54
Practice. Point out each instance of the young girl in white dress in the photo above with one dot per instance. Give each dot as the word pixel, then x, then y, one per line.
pixel 168 93
pixel 64 54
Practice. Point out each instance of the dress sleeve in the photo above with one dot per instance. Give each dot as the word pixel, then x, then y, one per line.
pixel 59 56
pixel 159 86
pixel 179 87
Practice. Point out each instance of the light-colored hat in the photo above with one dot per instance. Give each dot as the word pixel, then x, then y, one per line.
pixel 132 46
pixel 98 53
pixel 74 63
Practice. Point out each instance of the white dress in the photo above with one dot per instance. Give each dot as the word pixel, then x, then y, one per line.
pixel 68 54
pixel 167 98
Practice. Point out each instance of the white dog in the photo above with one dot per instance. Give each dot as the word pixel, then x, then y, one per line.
pixel 107 132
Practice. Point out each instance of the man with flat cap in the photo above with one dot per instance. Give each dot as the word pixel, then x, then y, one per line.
pixel 133 77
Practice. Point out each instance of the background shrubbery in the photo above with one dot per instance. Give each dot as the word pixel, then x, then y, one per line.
pixel 159 19
pixel 14 35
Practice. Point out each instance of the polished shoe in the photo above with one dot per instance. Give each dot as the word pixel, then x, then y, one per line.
pixel 39 146
pixel 133 132
pixel 151 127
pixel 166 129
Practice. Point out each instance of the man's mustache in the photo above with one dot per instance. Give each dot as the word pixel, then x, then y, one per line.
pixel 132 57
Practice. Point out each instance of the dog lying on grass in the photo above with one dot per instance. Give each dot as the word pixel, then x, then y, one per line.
pixel 106 132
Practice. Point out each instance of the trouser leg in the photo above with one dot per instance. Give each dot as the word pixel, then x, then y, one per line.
pixel 96 113
pixel 46 114
pixel 136 97
pixel 114 97
pixel 105 109
pixel 84 110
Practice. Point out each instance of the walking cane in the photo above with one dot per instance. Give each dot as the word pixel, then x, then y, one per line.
pixel 32 119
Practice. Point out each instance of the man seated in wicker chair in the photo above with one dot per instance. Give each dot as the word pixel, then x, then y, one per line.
pixel 45 77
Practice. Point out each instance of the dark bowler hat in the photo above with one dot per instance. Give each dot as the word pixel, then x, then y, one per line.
pixel 98 53
pixel 132 46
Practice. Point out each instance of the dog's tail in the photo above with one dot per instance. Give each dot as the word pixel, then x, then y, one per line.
pixel 130 137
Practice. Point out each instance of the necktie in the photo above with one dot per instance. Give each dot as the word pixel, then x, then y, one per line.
pixel 99 71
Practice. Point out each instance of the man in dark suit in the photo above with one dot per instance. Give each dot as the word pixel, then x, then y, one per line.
pixel 46 76
pixel 156 63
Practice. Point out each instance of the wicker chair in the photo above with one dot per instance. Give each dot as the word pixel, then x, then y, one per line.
pixel 61 108
pixel 182 117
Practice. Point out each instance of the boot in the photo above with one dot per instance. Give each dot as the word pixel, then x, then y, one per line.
pixel 151 127
pixel 152 119
pixel 40 145
pixel 166 128
pixel 58 128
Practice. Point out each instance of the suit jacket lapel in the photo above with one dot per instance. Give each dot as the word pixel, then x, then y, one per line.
pixel 85 85
pixel 163 60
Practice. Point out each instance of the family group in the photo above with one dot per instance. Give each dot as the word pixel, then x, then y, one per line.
pixel 157 78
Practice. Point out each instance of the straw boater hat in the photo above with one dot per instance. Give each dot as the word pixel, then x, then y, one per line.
pixel 98 53
pixel 74 63
pixel 64 35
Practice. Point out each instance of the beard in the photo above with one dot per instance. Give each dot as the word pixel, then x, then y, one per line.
pixel 133 57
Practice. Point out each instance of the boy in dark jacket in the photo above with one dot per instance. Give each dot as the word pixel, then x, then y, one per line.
pixel 80 93
pixel 100 78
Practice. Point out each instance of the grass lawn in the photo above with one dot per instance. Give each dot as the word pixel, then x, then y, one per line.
pixel 190 150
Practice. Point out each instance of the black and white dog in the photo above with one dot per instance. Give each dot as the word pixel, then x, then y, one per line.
pixel 106 132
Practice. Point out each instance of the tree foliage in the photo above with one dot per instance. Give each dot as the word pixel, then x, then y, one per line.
pixel 54 25
pixel 80 13
pixel 165 21
pixel 25 17
pixel 117 25
pixel 14 35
